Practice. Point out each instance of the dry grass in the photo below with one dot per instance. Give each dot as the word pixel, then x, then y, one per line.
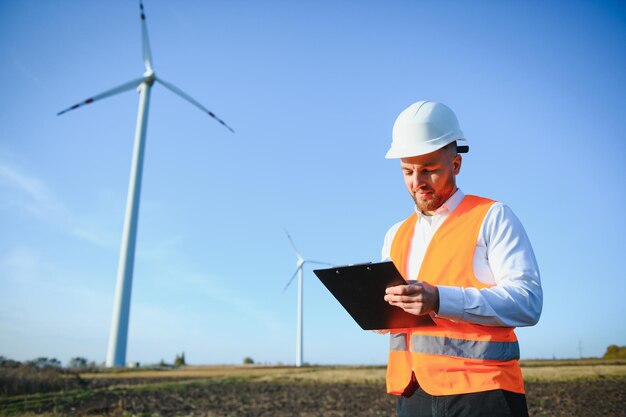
pixel 568 373
pixel 249 371
pixel 539 371
pixel 339 374
pixel 532 363
pixel 330 374
pixel 29 379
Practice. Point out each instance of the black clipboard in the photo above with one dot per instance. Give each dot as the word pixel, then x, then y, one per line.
pixel 360 289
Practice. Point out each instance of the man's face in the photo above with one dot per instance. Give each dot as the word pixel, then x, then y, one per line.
pixel 430 178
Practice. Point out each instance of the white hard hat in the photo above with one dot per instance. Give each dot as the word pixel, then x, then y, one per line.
pixel 422 128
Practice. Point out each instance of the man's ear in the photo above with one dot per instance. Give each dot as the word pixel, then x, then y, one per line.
pixel 456 164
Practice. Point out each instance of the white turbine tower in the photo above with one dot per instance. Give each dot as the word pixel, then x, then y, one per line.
pixel 300 264
pixel 116 355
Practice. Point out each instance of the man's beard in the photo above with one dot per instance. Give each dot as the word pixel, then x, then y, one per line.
pixel 431 204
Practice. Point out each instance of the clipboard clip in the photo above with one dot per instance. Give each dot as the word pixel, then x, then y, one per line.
pixel 337 270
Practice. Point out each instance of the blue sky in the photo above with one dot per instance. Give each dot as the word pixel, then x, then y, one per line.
pixel 312 89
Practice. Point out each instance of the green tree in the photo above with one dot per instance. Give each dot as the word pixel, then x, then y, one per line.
pixel 77 362
pixel 248 360
pixel 43 362
pixel 180 360
pixel 8 363
pixel 615 352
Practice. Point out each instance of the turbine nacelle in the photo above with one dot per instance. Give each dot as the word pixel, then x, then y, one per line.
pixel 300 261
pixel 149 76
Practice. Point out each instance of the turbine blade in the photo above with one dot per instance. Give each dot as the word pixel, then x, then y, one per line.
pixel 119 89
pixel 185 96
pixel 291 279
pixel 309 261
pixel 145 42
pixel 293 245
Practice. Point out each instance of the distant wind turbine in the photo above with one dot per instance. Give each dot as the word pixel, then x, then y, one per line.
pixel 300 261
pixel 116 355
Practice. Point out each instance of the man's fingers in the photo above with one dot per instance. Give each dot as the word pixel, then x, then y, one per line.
pixel 405 294
pixel 397 290
pixel 418 298
pixel 391 298
pixel 404 289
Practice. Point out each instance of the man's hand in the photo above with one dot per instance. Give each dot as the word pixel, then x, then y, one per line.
pixel 415 298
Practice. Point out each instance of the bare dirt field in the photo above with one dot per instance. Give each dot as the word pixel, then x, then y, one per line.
pixel 553 390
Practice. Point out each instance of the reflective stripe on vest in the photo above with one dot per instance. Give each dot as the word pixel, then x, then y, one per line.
pixel 398 342
pixel 471 349
pixel 462 348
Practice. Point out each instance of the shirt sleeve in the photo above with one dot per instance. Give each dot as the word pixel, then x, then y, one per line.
pixel 516 299
pixel 385 253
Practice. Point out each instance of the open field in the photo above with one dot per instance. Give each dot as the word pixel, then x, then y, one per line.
pixel 554 389
pixel 533 370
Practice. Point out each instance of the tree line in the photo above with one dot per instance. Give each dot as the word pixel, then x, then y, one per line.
pixel 77 362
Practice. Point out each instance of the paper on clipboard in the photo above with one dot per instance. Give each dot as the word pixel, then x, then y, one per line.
pixel 360 289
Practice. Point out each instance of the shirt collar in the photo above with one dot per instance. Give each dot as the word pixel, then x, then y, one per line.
pixel 448 207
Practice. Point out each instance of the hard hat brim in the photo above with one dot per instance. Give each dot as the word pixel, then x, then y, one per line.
pixel 396 152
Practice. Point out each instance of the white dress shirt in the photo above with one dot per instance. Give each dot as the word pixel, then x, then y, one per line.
pixel 503 258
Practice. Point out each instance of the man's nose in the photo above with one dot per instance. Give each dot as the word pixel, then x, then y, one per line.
pixel 417 182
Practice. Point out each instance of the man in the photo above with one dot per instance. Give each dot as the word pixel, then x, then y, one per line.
pixel 469 264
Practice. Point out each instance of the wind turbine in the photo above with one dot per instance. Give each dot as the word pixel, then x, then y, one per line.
pixel 116 355
pixel 300 261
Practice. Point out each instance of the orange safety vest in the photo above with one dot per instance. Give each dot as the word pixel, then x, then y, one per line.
pixel 452 357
